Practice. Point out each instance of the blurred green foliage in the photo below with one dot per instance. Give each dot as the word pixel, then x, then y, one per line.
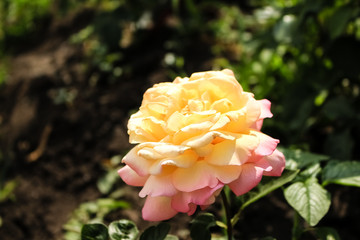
pixel 18 17
pixel 306 61
pixel 300 54
pixel 91 212
pixel 303 55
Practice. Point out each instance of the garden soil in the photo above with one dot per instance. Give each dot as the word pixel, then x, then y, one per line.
pixel 59 129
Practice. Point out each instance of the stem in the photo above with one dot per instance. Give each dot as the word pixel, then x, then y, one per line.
pixel 227 213
pixel 236 217
pixel 296 230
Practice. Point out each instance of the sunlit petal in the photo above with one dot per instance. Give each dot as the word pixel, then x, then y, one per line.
pixel 130 177
pixel 277 161
pixel 200 175
pixel 158 209
pixel 250 176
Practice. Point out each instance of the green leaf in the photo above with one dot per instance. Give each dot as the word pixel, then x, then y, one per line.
pixel 298 159
pixel 7 191
pixel 158 232
pixel 95 231
pixel 217 237
pixel 199 232
pixel 221 224
pixel 309 199
pixel 106 183
pixel 264 189
pixel 171 237
pixel 123 229
pixel 327 233
pixel 344 173
pixel 206 219
pixel 285 29
pixel 200 226
pixel 337 23
pixel 311 171
pixel 109 204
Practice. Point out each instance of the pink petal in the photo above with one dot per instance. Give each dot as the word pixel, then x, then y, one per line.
pixel 267 144
pixel 201 196
pixel 180 202
pixel 183 200
pixel 265 113
pixel 265 109
pixel 253 111
pixel 263 164
pixel 249 178
pixel 258 124
pixel 277 161
pixel 192 209
pixel 130 177
pixel 198 176
pixel 234 152
pixel 211 199
pixel 228 72
pixel 139 164
pixel 158 186
pixel 158 209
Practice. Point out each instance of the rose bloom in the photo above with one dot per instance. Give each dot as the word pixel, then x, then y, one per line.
pixel 194 136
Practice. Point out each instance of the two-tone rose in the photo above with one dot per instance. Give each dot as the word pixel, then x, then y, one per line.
pixel 194 136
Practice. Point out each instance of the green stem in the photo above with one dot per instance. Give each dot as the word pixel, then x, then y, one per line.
pixel 227 213
pixel 236 217
pixel 296 230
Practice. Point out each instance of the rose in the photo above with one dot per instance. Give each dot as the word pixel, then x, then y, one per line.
pixel 194 136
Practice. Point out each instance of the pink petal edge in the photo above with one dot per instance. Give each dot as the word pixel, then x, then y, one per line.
pixel 248 179
pixel 265 113
pixel 277 161
pixel 183 201
pixel 157 209
pixel 130 177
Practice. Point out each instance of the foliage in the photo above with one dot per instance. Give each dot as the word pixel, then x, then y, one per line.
pixel 306 67
pixel 309 199
pixel 6 191
pixel 94 231
pixel 268 186
pixel 19 17
pixel 91 212
pixel 156 232
pixel 200 227
pixel 303 183
pixel 344 173
pixel 125 229
pixel 108 181
pixel 301 54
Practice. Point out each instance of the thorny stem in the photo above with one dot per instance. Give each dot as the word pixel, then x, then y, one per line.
pixel 227 213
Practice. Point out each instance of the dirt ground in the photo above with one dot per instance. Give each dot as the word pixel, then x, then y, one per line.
pixel 57 149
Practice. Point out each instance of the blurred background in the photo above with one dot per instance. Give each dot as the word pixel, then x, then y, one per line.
pixel 72 71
